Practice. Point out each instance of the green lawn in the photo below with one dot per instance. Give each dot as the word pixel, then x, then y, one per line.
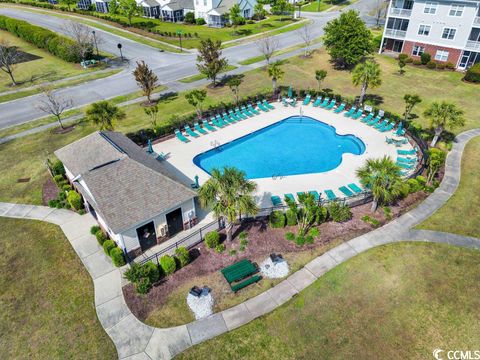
pixel 46 297
pixel 197 77
pixel 316 6
pixel 401 301
pixel 461 214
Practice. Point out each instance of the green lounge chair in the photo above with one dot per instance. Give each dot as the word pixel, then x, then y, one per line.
pixel 161 156
pixel 355 188
pixel 317 101
pixel 405 166
pixel 268 105
pixel 199 129
pixel 216 123
pixel 233 115
pixel 331 105
pixel 350 112
pixel 207 126
pixel 330 195
pixel 276 200
pixel 191 132
pixel 261 106
pixel 240 115
pixel 325 102
pixel 388 127
pixel 407 152
pixel 285 102
pixel 307 99
pixel 293 103
pixel 339 109
pixel 406 160
pixel 374 121
pixel 357 114
pixel 246 112
pixel 227 119
pixel 180 136
pixel 253 110
pixel 289 197
pixel 221 121
pixel 315 194
pixel 346 191
pixel 366 119
pixel 382 124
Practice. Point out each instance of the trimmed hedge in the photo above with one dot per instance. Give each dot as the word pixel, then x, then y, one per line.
pixel 212 239
pixel 108 245
pixel 74 199
pixel 57 45
pixel 473 74
pixel 117 256
pixel 183 256
pixel 168 265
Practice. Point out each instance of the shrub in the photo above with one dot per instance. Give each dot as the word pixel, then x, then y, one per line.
pixel 402 57
pixel 58 179
pixel 277 219
pixel 167 263
pixel 58 168
pixel 417 62
pixel 322 215
pixel 414 185
pixel 94 229
pixel 339 212
pixel 408 60
pixel 134 273
pixel 425 58
pixel 117 256
pixel 182 255
pixel 422 180
pixel 440 66
pixel 220 248
pixel 314 232
pixel 74 199
pixel 473 74
pixel 290 236
pixel 143 286
pixel 190 18
pixel 291 217
pixel 372 221
pixel 431 65
pixel 243 236
pixel 450 66
pixel 387 212
pixel 108 245
pixel 404 190
pixel 101 237
pixel 200 21
pixel 53 203
pixel 66 187
pixel 300 240
pixel 212 239
pixel 150 271
pixel 232 252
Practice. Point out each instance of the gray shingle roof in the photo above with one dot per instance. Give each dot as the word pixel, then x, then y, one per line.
pixel 127 185
pixel 180 5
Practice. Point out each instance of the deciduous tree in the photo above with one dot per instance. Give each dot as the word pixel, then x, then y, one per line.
pixel 209 60
pixel 320 75
pixel 234 84
pixel 54 104
pixel 9 57
pixel 83 38
pixel 129 8
pixel 195 98
pixel 306 34
pixel 267 45
pixel 146 79
pixel 410 101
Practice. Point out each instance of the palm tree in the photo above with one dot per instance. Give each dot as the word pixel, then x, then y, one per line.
pixel 382 177
pixel 104 114
pixel 366 74
pixel 443 115
pixel 229 194
pixel 276 73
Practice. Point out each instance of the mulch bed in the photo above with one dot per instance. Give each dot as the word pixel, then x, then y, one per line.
pixel 66 129
pixel 49 191
pixel 262 241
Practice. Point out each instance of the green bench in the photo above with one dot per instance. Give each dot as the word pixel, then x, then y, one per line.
pixel 240 273
pixel 245 283
pixel 242 270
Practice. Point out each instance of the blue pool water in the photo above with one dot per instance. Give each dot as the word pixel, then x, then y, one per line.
pixel 290 147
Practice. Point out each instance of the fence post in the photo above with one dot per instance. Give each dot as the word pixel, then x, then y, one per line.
pixel 156 256
pixel 201 238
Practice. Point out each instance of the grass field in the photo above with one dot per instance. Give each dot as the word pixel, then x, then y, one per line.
pixel 461 214
pixel 197 77
pixel 401 301
pixel 316 6
pixel 46 297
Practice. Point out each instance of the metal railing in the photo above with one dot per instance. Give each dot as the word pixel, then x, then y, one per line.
pixel 400 11
pixel 395 33
pixel 473 45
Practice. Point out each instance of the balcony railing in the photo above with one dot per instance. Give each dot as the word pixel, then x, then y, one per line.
pixel 476 21
pixel 473 45
pixel 395 33
pixel 400 11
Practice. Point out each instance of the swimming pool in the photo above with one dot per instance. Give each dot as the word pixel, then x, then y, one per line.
pixel 292 146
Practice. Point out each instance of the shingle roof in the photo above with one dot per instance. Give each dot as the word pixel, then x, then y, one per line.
pixel 127 185
pixel 179 5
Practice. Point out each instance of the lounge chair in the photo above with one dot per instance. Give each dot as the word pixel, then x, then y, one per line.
pixel 191 132
pixel 355 188
pixel 331 105
pixel 374 121
pixel 317 101
pixel 339 109
pixel 180 136
pixel 315 194
pixel 276 200
pixel 233 115
pixel 357 114
pixel 346 191
pixel 388 127
pixel 330 195
pixel 405 166
pixel 285 102
pixel 207 126
pixel 289 197
pixel 216 122
pixel 227 119
pixel 161 156
pixel 350 112
pixel 407 152
pixel 400 130
pixel 240 114
pixel 293 103
pixel 268 105
pixel 244 111
pixel 406 160
pixel 261 106
pixel 325 102
pixel 366 119
pixel 382 124
pixel 253 110
pixel 389 140
pixel 307 99
pixel 199 129
pixel 221 121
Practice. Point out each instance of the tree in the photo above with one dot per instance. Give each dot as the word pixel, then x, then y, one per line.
pixel 129 8
pixel 347 39
pixel 229 194
pixel 146 79
pixel 382 177
pixel 209 60
pixel 69 3
pixel 82 37
pixel 113 7
pixel 234 83
pixel 267 45
pixel 281 7
pixel 436 158
pixel 104 114
pixel 152 112
pixel 258 11
pixel 320 75
pixel 9 57
pixel 235 17
pixel 195 98
pixel 410 101
pixel 276 73
pixel 366 74
pixel 306 35
pixel 401 65
pixel 54 104
pixel 443 115
pixel 380 11
pixel 306 214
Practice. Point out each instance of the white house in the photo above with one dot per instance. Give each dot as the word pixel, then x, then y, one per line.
pixel 138 200
pixel 213 11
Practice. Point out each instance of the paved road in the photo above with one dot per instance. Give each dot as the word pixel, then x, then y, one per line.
pixel 168 66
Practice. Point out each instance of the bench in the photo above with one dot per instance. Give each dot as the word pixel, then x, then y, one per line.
pixel 239 271
pixel 245 283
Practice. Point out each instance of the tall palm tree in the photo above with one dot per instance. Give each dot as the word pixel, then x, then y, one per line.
pixel 366 74
pixel 229 194
pixel 104 114
pixel 276 73
pixel 382 177
pixel 443 115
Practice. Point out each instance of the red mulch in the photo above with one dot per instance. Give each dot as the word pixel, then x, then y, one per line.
pixel 60 130
pixel 262 241
pixel 49 191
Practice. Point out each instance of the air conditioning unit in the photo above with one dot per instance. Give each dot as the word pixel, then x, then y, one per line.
pixel 163 230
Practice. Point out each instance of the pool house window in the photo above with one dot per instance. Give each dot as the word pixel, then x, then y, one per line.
pixel 449 33
pixel 441 55
pixel 430 7
pixel 424 30
pixel 418 50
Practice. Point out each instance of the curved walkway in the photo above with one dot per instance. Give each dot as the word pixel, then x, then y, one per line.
pixel 135 340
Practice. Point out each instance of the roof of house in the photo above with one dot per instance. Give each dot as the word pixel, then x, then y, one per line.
pixel 124 184
pixel 179 5
pixel 149 3
pixel 224 6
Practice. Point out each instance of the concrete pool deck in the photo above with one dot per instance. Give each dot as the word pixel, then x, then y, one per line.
pixel 180 155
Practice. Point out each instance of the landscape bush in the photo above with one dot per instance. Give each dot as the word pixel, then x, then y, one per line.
pixel 403 57
pixel 291 217
pixel 414 185
pixel 408 60
pixel 441 66
pixel 168 265
pixel 74 199
pixel 432 65
pixel 417 62
pixel 220 248
pixel 143 286
pixel 58 179
pixel 277 219
pixel 190 18
pixel 321 215
pixel 108 245
pixel 370 220
pixel 101 237
pixel 58 168
pixel 94 229
pixel 422 180
pixel 339 212
pixel 200 21
pixel 118 258
pixel 425 58
pixel 473 74
pixel 212 239
pixel 290 236
pixel 450 66
pixel 66 187
pixel 182 255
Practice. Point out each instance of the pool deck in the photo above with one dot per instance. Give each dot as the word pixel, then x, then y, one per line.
pixel 180 155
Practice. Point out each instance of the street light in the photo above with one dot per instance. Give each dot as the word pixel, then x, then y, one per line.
pixel 95 40
pixel 179 33
pixel 119 46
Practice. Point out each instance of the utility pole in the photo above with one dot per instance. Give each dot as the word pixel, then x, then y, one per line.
pixel 95 40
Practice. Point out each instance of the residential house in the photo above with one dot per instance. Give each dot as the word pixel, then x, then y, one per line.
pixel 151 8
pixel 176 10
pixel 138 200
pixel 84 4
pixel 101 5
pixel 214 11
pixel 449 30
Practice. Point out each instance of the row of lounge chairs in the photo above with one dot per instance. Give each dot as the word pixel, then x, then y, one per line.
pixel 220 121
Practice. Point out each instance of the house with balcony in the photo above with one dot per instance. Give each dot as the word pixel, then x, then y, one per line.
pixel 214 12
pixel 449 30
